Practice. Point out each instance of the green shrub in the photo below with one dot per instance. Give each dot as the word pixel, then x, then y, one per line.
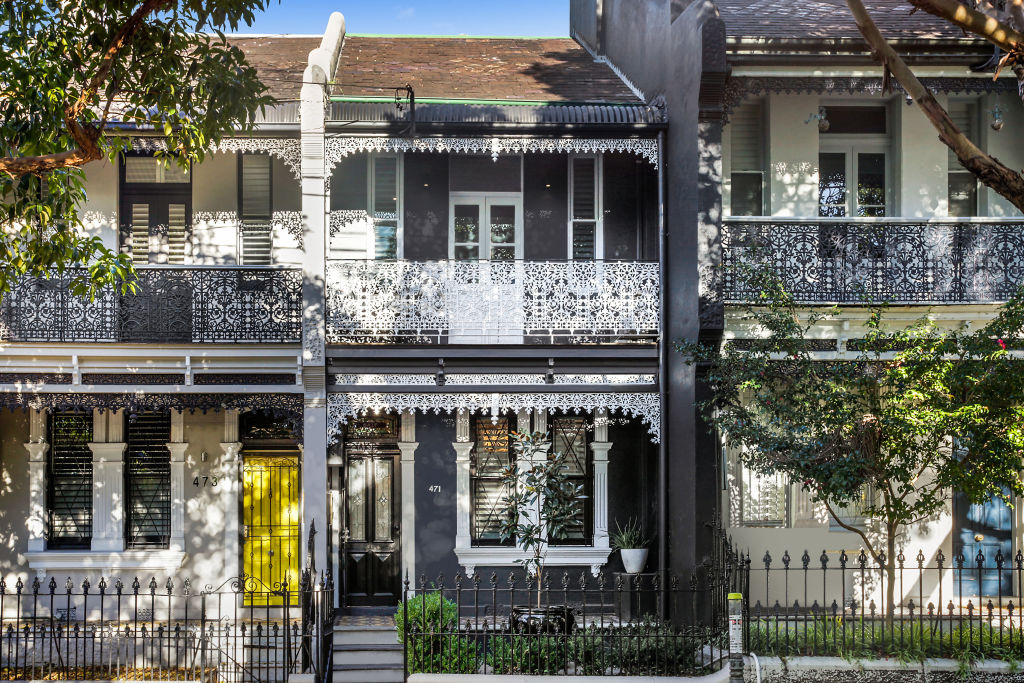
pixel 429 622
pixel 527 654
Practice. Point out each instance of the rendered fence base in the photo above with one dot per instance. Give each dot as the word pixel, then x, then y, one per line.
pixel 838 670
pixel 717 677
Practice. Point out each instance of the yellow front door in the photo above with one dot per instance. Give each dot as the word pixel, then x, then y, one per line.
pixel 270 518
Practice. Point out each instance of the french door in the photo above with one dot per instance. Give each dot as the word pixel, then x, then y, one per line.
pixel 485 227
pixel 853 180
pixel 486 243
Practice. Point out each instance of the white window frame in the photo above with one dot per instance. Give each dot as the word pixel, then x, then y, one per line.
pixel 371 236
pixel 598 204
pixel 108 551
pixel 851 146
pixel 239 246
pixel 484 200
pixel 594 555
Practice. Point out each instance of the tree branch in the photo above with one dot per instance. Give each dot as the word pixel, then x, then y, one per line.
pixel 986 168
pixel 973 21
pixel 848 527
pixel 86 137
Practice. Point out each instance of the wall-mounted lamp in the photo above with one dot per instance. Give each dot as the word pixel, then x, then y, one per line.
pixel 821 118
pixel 204 456
pixel 909 100
pixel 997 118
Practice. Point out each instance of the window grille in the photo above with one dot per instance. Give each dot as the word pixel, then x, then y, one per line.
pixel 148 481
pixel 69 475
pixel 570 439
pixel 492 454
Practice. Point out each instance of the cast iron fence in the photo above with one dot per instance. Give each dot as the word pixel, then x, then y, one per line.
pixel 840 605
pixel 580 625
pixel 894 260
pixel 240 632
pixel 173 304
pixel 505 302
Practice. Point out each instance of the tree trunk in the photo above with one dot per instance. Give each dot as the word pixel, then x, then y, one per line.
pixel 890 571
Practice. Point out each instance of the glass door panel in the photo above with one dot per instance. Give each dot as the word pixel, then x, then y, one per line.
pixel 467 237
pixel 503 231
pixel 871 184
pixel 832 184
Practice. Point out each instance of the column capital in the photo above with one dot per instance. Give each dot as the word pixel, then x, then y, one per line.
pixel 112 452
pixel 231 449
pixel 463 449
pixel 600 450
pixel 37 450
pixel 408 450
pixel 177 449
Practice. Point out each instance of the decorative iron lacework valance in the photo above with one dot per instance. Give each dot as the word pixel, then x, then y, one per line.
pixel 343 406
pixel 287 221
pixel 288 150
pixel 456 378
pixel 281 405
pixel 739 88
pixel 339 146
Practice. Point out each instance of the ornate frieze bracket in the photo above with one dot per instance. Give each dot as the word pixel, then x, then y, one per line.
pixel 287 150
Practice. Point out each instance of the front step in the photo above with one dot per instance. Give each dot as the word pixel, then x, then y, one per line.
pixel 363 653
pixel 367 673
pixel 365 635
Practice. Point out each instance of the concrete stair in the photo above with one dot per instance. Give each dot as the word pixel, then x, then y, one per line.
pixel 366 654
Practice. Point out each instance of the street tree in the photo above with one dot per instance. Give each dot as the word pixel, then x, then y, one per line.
pixel 1002 24
pixel 73 75
pixel 912 414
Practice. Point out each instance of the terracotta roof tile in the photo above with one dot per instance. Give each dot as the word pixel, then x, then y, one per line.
pixel 545 69
pixel 827 19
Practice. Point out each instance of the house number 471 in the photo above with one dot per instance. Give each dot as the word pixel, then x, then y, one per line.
pixel 202 482
pixel 434 489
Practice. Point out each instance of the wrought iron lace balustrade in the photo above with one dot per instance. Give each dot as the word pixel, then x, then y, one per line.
pixel 894 260
pixel 172 305
pixel 504 302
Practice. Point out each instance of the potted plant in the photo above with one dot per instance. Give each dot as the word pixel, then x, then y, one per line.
pixel 631 543
pixel 542 504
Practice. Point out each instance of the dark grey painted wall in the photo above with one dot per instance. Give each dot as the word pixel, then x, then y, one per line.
pixel 435 512
pixel 426 206
pixel 348 184
pixel 545 206
pixel 623 220
pixel 632 471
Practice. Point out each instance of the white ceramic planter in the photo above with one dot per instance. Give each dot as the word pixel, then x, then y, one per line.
pixel 634 559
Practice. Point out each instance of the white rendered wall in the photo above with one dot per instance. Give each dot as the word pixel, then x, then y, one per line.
pixel 920 163
pixel 1004 145
pixel 215 201
pixel 99 213
pixel 792 156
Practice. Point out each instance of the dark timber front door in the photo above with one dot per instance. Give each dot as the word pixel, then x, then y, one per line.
pixel 374 525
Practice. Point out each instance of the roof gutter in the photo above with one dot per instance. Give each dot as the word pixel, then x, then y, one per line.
pixel 485 127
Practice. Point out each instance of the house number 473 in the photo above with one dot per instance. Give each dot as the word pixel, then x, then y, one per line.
pixel 202 482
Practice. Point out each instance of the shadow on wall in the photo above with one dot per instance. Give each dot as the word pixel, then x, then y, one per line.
pixel 14 494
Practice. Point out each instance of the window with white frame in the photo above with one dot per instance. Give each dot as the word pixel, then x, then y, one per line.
pixel 69 479
pixel 746 157
pixel 492 455
pixel 853 162
pixel 963 185
pixel 585 238
pixel 764 498
pixel 385 191
pixel 255 239
pixel 147 474
pixel 569 438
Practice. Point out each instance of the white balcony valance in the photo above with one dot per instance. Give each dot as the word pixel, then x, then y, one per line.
pixel 288 150
pixel 342 407
pixel 340 146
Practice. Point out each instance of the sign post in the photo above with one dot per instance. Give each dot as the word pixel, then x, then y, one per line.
pixel 735 638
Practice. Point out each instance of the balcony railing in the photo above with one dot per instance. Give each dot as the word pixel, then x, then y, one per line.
pixel 495 302
pixel 173 305
pixel 895 260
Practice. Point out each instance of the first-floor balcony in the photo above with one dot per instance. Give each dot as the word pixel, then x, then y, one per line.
pixel 895 260
pixel 492 302
pixel 171 304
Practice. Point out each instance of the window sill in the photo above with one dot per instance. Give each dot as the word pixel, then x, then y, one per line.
pixel 83 560
pixel 562 556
